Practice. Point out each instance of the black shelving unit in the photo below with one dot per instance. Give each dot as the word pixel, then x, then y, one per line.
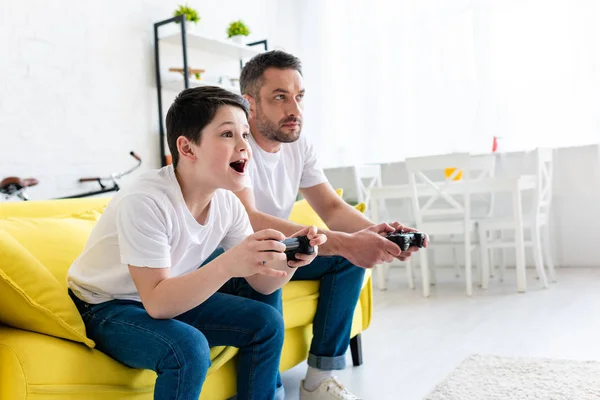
pixel 180 20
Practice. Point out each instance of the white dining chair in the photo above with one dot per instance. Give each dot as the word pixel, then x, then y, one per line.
pixel 366 177
pixel 480 167
pixel 498 233
pixel 444 215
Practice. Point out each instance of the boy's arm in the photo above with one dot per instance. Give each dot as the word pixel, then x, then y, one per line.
pixel 143 230
pixel 165 297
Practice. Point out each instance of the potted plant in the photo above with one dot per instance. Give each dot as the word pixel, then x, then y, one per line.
pixel 191 16
pixel 237 31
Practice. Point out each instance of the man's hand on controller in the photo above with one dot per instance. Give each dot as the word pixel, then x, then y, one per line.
pixel 369 247
pixel 398 227
pixel 316 239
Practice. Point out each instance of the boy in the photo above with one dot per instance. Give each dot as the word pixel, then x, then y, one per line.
pixel 137 284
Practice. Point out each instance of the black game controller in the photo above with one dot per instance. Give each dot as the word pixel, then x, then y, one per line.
pixel 407 239
pixel 300 244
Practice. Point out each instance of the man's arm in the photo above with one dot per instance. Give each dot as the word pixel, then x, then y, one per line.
pixel 335 212
pixel 260 221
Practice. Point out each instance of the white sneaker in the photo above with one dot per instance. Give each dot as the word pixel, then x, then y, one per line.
pixel 329 389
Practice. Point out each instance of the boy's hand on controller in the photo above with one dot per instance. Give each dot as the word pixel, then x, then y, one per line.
pixel 316 239
pixel 250 256
pixel 398 227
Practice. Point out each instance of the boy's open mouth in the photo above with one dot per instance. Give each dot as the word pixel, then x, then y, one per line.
pixel 238 166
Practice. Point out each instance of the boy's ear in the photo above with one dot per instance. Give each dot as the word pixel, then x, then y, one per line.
pixel 185 148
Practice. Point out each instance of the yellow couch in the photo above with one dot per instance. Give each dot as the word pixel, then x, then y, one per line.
pixel 44 353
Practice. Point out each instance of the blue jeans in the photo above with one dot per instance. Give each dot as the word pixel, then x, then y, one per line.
pixel 178 349
pixel 341 283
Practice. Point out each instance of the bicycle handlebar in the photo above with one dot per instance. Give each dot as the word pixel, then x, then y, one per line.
pixel 89 179
pixel 118 175
pixel 132 154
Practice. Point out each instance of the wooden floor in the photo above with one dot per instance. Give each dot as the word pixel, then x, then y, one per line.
pixel 413 342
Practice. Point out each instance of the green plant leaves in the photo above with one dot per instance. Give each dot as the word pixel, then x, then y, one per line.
pixel 238 28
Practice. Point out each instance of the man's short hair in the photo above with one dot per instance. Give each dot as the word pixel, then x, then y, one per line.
pixel 195 108
pixel 252 73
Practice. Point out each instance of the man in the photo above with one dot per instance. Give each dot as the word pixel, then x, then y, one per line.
pixel 283 163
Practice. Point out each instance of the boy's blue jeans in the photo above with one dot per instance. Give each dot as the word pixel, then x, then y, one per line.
pixel 341 283
pixel 179 349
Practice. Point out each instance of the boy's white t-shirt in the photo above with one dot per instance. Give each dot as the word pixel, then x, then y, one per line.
pixel 149 225
pixel 276 177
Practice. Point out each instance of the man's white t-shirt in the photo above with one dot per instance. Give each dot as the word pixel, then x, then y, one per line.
pixel 276 177
pixel 149 225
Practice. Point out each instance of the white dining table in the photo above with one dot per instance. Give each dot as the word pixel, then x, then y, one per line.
pixel 514 185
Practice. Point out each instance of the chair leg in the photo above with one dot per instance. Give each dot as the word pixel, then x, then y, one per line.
pixel 537 255
pixel 468 271
pixel 492 258
pixel 478 269
pixel 356 350
pixel 382 275
pixel 432 272
pixel 502 268
pixel 424 273
pixel 483 253
pixel 548 252
pixel 410 273
pixel 455 259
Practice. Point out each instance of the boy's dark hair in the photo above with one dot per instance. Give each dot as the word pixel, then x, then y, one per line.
pixel 195 108
pixel 252 73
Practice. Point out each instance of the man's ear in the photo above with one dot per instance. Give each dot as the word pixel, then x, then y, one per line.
pixel 252 103
pixel 185 148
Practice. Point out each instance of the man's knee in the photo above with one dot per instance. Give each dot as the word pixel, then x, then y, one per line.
pixel 344 265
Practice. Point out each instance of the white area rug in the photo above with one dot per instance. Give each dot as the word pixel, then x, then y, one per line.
pixel 501 378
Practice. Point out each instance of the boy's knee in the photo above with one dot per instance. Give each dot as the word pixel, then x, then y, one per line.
pixel 192 355
pixel 199 351
pixel 270 321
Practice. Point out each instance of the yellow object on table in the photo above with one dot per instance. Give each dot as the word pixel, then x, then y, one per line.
pixel 449 171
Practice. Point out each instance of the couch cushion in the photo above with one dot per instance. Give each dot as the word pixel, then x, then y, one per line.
pixel 32 298
pixel 51 208
pixel 55 242
pixel 79 372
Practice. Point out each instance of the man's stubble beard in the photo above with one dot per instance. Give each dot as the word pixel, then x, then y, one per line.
pixel 271 130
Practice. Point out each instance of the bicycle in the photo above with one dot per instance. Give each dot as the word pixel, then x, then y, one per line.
pixel 15 186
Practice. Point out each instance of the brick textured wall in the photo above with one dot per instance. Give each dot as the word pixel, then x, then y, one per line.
pixel 77 89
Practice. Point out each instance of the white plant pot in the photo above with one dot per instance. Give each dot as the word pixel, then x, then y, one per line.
pixel 238 39
pixel 190 26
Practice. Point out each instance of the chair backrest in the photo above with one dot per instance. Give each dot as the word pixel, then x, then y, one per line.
pixel 482 166
pixel 366 177
pixel 430 185
pixel 544 173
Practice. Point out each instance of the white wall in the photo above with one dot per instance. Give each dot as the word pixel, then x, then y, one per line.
pixel 576 196
pixel 77 89
pixel 401 78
